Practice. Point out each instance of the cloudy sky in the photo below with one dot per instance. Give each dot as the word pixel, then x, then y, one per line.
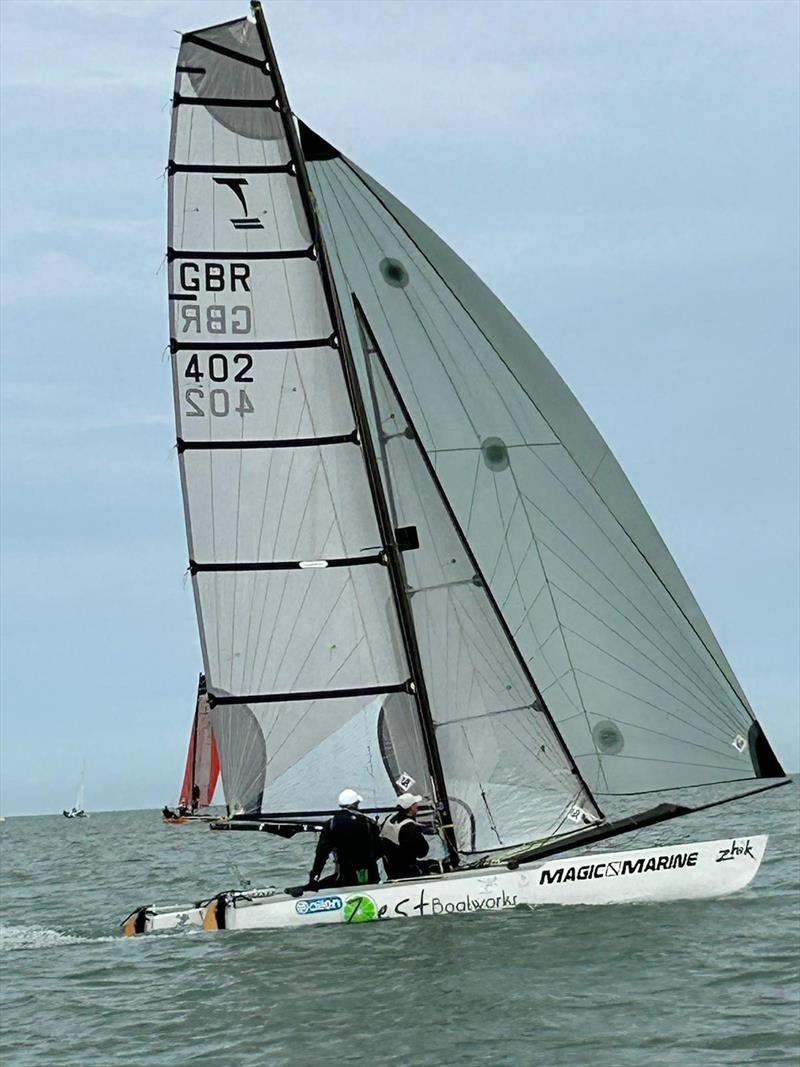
pixel 623 175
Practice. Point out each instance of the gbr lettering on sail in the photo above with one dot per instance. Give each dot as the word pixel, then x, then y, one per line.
pixel 215 383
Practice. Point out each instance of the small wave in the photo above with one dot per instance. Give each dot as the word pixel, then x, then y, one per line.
pixel 13 938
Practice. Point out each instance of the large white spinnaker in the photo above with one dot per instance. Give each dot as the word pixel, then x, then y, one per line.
pixel 604 621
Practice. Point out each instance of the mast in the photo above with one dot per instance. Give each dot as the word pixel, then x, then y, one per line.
pixel 391 550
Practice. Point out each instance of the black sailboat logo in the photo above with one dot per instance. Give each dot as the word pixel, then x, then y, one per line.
pixel 235 185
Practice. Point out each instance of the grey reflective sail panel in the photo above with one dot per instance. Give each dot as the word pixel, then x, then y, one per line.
pixel 293 600
pixel 620 652
pixel 508 774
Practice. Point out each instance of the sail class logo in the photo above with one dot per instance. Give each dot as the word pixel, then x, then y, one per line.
pixel 318 904
pixel 236 186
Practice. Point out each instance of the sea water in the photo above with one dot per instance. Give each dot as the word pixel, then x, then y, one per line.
pixel 695 984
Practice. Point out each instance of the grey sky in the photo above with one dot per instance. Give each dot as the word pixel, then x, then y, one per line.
pixel 623 175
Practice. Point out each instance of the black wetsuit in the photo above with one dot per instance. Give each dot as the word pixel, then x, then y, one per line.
pixel 401 857
pixel 353 838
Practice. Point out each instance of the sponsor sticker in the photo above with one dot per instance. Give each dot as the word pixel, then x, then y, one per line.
pixel 735 851
pixel 318 904
pixel 579 871
pixel 739 743
pixel 360 909
pixel 405 781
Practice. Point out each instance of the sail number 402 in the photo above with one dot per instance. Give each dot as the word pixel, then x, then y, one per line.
pixel 218 400
pixel 220 369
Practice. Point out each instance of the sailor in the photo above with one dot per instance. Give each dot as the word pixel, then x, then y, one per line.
pixel 353 840
pixel 195 797
pixel 403 842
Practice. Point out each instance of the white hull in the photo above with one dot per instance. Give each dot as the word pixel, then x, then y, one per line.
pixel 676 872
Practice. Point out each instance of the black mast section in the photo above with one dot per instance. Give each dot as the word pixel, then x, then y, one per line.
pixel 388 536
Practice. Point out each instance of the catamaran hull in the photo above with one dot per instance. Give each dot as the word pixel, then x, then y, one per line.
pixel 190 820
pixel 694 871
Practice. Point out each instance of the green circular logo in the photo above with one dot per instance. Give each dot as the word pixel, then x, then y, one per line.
pixel 360 909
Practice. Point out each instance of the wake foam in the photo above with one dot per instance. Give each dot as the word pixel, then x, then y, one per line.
pixel 13 938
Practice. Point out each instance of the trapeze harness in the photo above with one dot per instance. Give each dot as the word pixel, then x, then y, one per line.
pixel 400 859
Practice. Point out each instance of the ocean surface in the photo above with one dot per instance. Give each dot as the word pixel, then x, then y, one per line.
pixel 696 984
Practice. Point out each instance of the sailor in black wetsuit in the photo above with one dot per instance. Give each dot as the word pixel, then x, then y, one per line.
pixel 353 839
pixel 403 842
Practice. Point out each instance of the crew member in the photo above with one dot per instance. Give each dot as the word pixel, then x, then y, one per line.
pixel 353 840
pixel 403 842
pixel 195 797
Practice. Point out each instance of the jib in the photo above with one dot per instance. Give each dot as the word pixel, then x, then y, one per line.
pixel 213 277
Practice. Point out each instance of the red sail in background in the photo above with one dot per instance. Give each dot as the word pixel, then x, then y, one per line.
pixel 202 759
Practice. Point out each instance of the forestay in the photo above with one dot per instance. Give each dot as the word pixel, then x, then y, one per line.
pixel 603 619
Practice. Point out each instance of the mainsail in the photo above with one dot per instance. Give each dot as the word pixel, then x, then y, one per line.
pixel 202 760
pixel 414 559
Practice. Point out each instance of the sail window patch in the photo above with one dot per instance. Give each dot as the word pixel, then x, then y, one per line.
pixel 394 273
pixel 495 453
pixel 608 739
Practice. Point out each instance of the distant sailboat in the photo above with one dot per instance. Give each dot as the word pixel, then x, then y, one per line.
pixel 202 767
pixel 414 557
pixel 77 810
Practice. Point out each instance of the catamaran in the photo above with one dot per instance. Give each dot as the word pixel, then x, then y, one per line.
pixel 77 810
pixel 201 772
pixel 416 563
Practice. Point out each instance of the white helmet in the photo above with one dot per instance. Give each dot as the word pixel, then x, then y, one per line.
pixel 349 798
